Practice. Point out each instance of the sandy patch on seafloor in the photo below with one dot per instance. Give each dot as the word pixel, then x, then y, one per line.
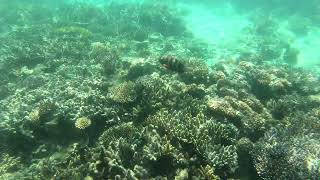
pixel 222 27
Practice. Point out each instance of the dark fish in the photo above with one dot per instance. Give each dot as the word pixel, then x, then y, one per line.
pixel 172 63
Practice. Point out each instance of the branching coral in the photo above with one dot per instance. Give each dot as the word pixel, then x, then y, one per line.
pixel 211 139
pixel 94 71
pixel 196 71
pixel 292 146
pixel 8 165
pixel 123 93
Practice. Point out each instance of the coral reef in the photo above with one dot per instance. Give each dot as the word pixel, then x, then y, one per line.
pixel 122 91
pixel 292 145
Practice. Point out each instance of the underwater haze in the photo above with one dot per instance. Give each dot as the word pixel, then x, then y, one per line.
pixel 162 90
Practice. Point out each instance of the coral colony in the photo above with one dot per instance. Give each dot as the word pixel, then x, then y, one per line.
pixel 123 91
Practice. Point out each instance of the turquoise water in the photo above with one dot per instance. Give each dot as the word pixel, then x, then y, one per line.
pixel 173 89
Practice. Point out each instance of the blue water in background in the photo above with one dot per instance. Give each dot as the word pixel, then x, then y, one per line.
pixel 90 63
pixel 221 24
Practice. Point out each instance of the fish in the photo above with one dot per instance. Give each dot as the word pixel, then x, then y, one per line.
pixel 172 63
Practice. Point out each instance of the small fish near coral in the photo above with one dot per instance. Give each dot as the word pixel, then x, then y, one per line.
pixel 172 63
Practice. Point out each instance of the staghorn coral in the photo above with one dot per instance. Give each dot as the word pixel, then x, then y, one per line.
pixel 209 138
pixel 293 145
pixel 298 155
